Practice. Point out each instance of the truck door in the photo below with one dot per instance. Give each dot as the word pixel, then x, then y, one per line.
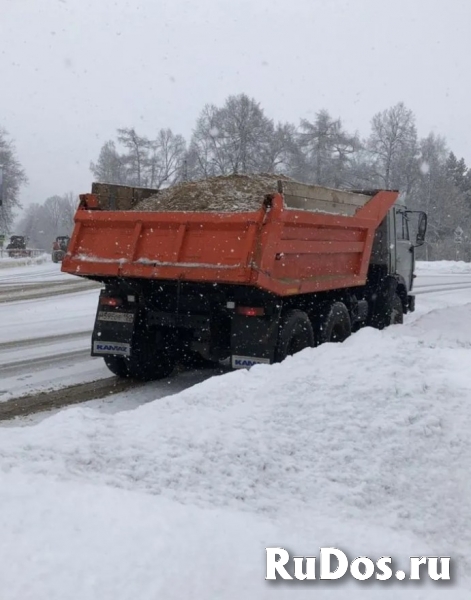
pixel 404 248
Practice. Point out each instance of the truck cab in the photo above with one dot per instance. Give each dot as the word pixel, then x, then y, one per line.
pixel 393 255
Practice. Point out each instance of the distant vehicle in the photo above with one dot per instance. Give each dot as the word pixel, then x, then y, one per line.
pixel 17 247
pixel 59 248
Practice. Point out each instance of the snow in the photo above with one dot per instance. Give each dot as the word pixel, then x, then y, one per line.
pixel 443 266
pixel 7 262
pixel 20 274
pixel 45 343
pixel 30 319
pixel 47 367
pixel 79 541
pixel 362 445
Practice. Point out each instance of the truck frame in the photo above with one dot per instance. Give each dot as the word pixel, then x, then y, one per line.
pixel 311 265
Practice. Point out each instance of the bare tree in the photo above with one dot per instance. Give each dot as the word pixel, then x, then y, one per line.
pixel 69 203
pixel 393 147
pixel 328 150
pixel 166 163
pixel 110 166
pixel 53 208
pixel 30 224
pixel 42 223
pixel 237 138
pixel 14 178
pixel 136 159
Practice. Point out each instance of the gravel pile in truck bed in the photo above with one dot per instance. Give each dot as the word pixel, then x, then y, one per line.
pixel 231 193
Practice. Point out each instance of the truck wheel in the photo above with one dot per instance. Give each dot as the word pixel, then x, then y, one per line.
pixel 397 311
pixel 152 357
pixel 194 360
pixel 336 326
pixel 149 368
pixel 148 362
pixel 117 365
pixel 295 334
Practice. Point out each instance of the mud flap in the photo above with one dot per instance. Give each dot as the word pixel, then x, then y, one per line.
pixel 253 340
pixel 114 330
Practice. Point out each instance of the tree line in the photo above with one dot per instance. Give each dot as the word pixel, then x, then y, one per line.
pixel 42 223
pixel 238 137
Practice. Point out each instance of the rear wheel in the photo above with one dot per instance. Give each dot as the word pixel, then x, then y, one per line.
pixel 336 325
pixel 397 311
pixel 117 365
pixel 194 360
pixel 295 334
pixel 149 368
pixel 151 358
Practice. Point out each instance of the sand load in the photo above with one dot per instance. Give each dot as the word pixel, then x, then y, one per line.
pixel 227 193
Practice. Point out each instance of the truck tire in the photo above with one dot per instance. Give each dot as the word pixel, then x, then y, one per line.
pixel 388 312
pixel 148 362
pixel 397 311
pixel 194 360
pixel 294 335
pixel 336 325
pixel 149 368
pixel 117 365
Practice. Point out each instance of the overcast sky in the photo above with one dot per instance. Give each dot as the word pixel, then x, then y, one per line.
pixel 72 71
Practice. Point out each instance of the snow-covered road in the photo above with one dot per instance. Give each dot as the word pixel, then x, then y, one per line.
pixel 45 342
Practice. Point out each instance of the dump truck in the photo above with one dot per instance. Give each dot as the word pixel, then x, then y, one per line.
pixel 303 265
pixel 59 248
pixel 17 247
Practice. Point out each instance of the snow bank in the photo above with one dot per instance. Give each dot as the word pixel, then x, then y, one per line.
pixel 363 446
pixel 6 261
pixel 443 266
pixel 79 541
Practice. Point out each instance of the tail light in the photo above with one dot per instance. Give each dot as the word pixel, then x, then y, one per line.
pixel 250 311
pixel 107 301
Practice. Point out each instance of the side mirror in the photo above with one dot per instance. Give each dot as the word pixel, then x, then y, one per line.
pixel 421 229
pixel 421 225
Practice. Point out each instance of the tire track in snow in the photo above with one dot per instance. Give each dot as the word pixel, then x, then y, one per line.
pixel 44 340
pixel 15 367
pixel 440 288
pixel 75 394
pixel 36 291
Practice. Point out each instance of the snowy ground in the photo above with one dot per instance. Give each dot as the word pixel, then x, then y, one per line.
pixel 363 446
pixel 7 262
pixel 45 341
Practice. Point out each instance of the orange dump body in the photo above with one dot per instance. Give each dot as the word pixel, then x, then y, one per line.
pixel 280 249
